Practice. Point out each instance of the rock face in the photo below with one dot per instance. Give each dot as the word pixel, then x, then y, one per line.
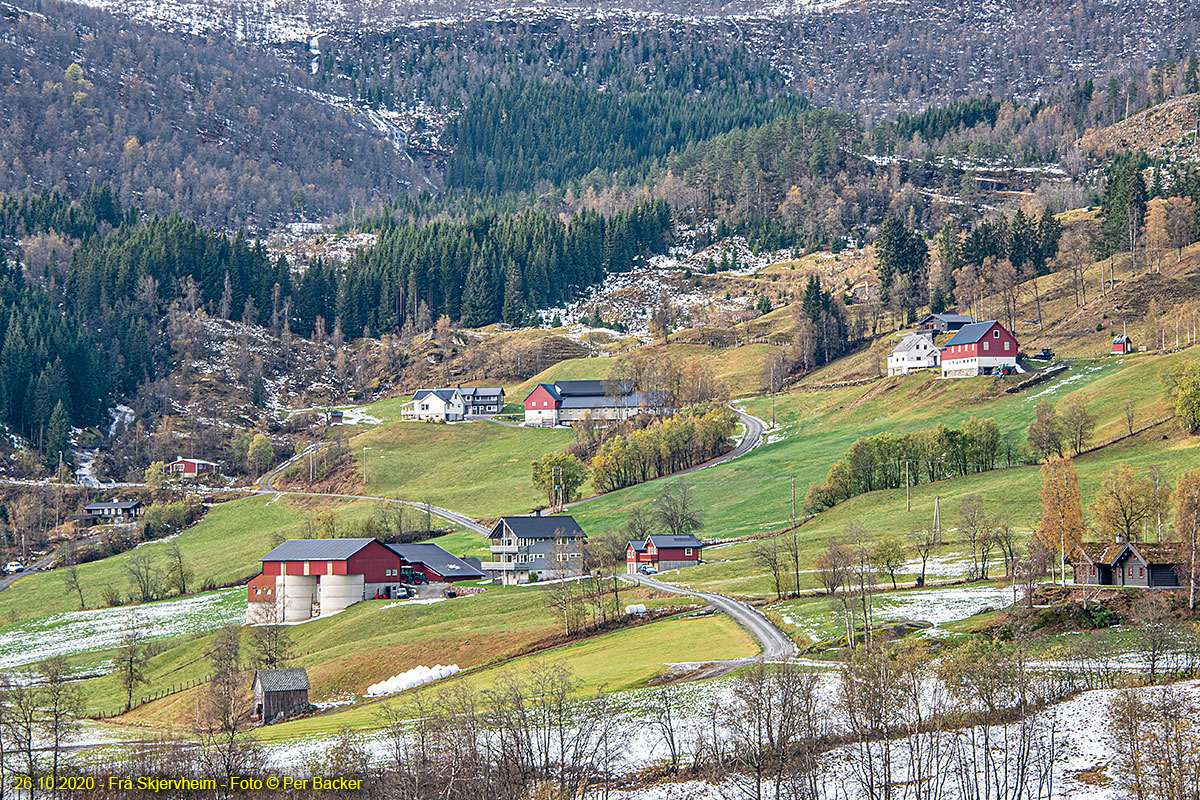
pixel 1168 131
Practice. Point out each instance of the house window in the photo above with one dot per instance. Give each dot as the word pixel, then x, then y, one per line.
pixel 1141 572
pixel 995 334
pixel 985 345
pixel 1093 570
pixel 687 551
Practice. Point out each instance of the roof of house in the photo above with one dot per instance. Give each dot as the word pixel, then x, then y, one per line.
pixel 316 549
pixel 563 525
pixel 436 559
pixel 445 395
pixel 291 679
pixel 128 505
pixel 964 318
pixel 481 391
pixel 662 540
pixel 1109 553
pixel 639 545
pixel 970 334
pixel 911 341
pixel 1121 338
pixel 1102 552
pixel 1159 552
pixel 574 388
pixel 194 461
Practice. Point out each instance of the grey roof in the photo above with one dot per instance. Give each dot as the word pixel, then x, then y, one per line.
pixel 912 340
pixel 963 318
pixel 481 391
pixel 573 388
pixel 539 527
pixel 670 540
pixel 637 544
pixel 128 505
pixel 446 395
pixel 291 679
pixel 437 559
pixel 1121 338
pixel 316 549
pixel 970 334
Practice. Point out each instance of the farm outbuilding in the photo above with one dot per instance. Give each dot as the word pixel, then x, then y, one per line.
pixel 1122 344
pixel 279 694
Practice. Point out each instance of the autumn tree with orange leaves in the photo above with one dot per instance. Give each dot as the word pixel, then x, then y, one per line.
pixel 1061 526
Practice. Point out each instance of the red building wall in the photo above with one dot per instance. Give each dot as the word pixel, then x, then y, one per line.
pixel 539 399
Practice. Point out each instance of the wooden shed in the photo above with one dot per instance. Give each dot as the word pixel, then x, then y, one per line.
pixel 279 694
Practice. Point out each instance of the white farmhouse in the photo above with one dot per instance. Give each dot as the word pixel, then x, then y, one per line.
pixel 446 405
pixel 917 351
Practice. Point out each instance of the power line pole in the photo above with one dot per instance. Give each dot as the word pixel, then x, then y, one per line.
pixel 793 502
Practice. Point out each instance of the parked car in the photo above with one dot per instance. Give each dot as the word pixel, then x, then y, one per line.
pixel 648 570
pixel 1045 354
pixel 14 567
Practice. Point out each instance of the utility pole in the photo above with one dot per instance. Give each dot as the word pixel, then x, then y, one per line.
pixel 556 492
pixel 793 502
pixel 366 484
pixel 937 519
pixel 773 394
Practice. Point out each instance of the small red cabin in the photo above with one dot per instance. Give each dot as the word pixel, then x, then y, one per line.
pixel 1122 344
pixel 191 466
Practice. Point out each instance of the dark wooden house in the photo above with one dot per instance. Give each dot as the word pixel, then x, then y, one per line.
pixel 1143 565
pixel 279 694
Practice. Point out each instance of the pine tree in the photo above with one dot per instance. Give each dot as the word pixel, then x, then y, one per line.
pixel 58 437
pixel 514 300
pixel 479 296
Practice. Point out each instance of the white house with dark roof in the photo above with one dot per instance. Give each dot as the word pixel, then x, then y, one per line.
pixel 535 548
pixel 916 351
pixel 444 405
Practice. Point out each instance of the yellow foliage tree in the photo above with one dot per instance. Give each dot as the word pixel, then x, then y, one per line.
pixel 1061 526
pixel 1123 503
pixel 1187 525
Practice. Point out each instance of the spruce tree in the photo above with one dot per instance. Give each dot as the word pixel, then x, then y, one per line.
pixel 58 437
pixel 514 299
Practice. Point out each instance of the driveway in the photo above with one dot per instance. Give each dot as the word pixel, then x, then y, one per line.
pixel 775 644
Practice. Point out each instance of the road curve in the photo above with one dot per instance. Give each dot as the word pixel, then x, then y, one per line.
pixel 750 440
pixel 776 646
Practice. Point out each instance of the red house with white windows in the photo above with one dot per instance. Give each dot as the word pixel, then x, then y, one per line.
pixel 1122 344
pixel 981 348
pixel 191 466
pixel 663 551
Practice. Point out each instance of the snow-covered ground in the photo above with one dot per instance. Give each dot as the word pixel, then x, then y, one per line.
pixel 940 606
pixel 1084 764
pixel 101 629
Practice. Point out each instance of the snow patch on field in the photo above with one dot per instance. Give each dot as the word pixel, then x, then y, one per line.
pixel 101 629
pixel 426 602
pixel 941 606
pixel 417 676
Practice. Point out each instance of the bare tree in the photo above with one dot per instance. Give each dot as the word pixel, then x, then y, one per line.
pixel 143 574
pixel 676 510
pixel 178 574
pixel 765 553
pixel 132 655
pixel 71 582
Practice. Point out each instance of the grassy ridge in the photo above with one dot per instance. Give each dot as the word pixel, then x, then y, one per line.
pixel 752 494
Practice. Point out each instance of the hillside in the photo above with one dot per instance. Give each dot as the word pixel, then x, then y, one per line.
pixel 1165 131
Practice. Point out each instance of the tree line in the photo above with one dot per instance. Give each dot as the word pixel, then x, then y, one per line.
pixel 891 460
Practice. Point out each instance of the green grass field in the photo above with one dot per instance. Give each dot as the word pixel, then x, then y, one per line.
pixel 477 468
pixel 752 495
pixel 612 662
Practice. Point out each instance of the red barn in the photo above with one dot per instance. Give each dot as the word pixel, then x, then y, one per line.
pixel 541 406
pixel 191 466
pixel 1122 344
pixel 981 348
pixel 305 578
pixel 663 551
